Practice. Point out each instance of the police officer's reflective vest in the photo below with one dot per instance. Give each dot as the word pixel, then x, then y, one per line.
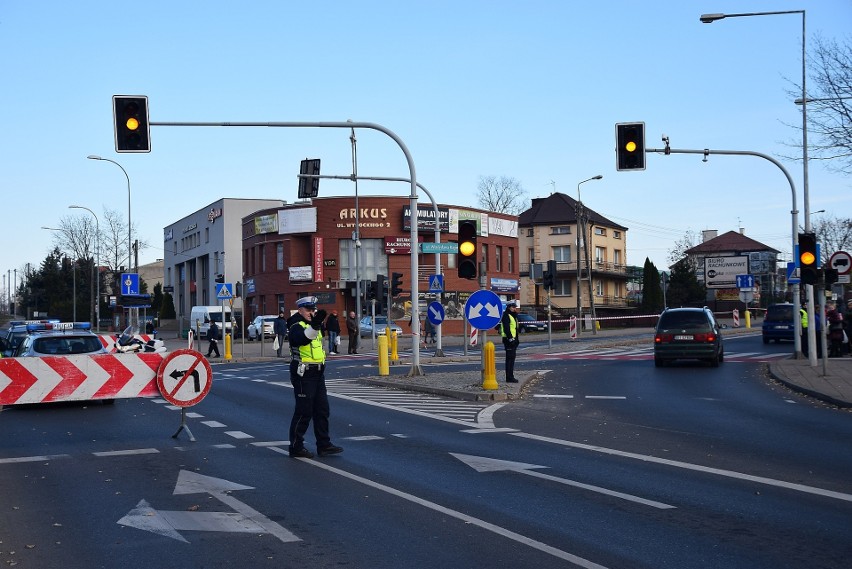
pixel 309 353
pixel 804 314
pixel 513 327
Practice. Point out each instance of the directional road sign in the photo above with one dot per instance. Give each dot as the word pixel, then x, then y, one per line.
pixel 483 310
pixel 745 281
pixel 224 291
pixel 129 283
pixel 435 313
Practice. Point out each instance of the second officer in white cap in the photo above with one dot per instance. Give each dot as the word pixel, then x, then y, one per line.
pixel 307 374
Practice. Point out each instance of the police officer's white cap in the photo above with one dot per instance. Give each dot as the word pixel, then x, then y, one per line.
pixel 307 302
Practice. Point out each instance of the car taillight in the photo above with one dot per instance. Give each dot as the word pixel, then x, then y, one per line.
pixel 705 337
pixel 660 338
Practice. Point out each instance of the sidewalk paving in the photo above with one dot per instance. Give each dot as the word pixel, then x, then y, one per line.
pixel 835 386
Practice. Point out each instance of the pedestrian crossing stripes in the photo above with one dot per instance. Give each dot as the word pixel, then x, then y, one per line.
pixel 648 354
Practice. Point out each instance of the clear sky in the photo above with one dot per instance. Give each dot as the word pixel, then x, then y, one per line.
pixel 526 89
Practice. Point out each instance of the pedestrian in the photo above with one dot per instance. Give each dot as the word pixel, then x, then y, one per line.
pixel 353 328
pixel 430 332
pixel 332 326
pixel 213 337
pixel 279 327
pixel 509 332
pixel 307 374
pixel 847 327
pixel 818 325
pixel 834 321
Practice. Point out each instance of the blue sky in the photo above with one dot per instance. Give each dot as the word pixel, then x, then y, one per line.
pixel 529 90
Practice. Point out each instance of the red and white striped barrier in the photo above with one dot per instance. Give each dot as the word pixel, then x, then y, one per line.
pixel 474 336
pixel 736 318
pixel 572 327
pixel 78 378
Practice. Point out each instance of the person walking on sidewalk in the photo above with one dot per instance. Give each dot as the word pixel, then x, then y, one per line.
pixel 279 328
pixel 307 374
pixel 332 326
pixel 509 332
pixel 213 338
pixel 353 329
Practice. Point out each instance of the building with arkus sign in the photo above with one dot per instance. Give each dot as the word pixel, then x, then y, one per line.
pixel 310 248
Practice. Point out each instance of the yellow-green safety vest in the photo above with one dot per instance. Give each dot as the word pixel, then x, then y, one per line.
pixel 311 353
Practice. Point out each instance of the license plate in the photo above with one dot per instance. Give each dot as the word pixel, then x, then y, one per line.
pixel 782 328
pixel 683 337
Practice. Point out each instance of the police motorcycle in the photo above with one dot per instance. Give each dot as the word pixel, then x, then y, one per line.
pixel 129 342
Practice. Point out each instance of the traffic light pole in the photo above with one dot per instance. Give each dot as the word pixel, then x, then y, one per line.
pixel 794 212
pixel 416 368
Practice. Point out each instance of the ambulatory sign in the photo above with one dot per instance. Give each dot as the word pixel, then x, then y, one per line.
pixel 721 272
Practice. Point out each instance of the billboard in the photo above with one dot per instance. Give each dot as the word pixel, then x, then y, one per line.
pixel 721 272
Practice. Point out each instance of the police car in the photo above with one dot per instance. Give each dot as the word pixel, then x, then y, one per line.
pixel 11 337
pixel 59 339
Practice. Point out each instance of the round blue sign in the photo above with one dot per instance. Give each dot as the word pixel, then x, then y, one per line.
pixel 483 310
pixel 435 313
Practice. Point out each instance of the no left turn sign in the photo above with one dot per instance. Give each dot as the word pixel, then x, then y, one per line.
pixel 184 378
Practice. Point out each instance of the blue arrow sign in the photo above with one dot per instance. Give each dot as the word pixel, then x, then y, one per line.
pixel 224 291
pixel 435 313
pixel 483 309
pixel 745 281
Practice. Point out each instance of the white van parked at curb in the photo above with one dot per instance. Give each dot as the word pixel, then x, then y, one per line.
pixel 201 316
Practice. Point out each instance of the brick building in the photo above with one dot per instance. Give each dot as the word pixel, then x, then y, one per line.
pixel 308 248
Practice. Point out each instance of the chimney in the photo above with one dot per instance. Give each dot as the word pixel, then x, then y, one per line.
pixel 708 234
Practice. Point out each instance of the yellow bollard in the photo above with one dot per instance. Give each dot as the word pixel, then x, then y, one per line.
pixel 748 318
pixel 384 367
pixel 227 347
pixel 489 367
pixel 394 343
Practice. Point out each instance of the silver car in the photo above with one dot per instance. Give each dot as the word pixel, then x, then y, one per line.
pixel 381 326
pixel 59 339
pixel 267 322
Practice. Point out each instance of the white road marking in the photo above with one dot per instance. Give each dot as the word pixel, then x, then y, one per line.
pixel 128 452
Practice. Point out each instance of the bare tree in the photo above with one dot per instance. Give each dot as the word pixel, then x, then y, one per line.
pixel 501 195
pixel 833 234
pixel 829 94
pixel 678 251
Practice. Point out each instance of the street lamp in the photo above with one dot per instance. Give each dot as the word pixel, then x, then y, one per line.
pixel 709 19
pixel 129 226
pixel 73 274
pixel 97 270
pixel 580 223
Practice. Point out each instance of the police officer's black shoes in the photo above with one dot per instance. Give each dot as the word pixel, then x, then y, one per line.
pixel 511 381
pixel 329 450
pixel 301 453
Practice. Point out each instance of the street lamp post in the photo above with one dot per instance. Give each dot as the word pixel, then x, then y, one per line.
pixel 709 19
pixel 129 225
pixel 581 227
pixel 97 270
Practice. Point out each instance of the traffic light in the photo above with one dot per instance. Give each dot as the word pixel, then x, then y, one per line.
pixel 549 276
pixel 132 131
pixel 396 284
pixel 831 276
pixel 371 290
pixel 309 187
pixel 630 146
pixel 239 292
pixel 467 249
pixel 808 266
pixel 220 278
pixel 381 289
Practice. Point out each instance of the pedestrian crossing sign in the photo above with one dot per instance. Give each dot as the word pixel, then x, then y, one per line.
pixel 436 283
pixel 224 291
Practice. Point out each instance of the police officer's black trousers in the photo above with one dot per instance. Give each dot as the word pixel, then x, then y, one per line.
pixel 311 404
pixel 511 351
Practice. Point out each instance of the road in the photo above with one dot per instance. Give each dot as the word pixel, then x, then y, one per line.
pixel 605 463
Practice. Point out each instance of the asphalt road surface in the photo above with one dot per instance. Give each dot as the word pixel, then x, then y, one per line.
pixel 606 462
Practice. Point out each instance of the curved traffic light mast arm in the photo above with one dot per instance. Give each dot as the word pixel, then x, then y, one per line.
pixel 797 342
pixel 416 369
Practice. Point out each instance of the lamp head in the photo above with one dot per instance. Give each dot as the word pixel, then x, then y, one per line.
pixel 94 157
pixel 710 18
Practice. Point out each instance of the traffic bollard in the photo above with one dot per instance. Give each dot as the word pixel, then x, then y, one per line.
pixel 489 367
pixel 228 347
pixel 384 367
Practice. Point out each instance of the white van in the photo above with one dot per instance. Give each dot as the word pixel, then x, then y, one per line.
pixel 201 316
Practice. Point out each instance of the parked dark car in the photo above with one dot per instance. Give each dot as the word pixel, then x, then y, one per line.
pixel 527 323
pixel 688 334
pixel 778 324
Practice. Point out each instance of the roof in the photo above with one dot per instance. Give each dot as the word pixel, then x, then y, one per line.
pixel 558 208
pixel 730 242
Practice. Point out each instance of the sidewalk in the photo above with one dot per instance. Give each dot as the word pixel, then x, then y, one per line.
pixel 835 387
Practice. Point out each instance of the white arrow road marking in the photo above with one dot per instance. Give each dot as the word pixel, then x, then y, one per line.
pixel 244 518
pixel 484 464
pixel 508 534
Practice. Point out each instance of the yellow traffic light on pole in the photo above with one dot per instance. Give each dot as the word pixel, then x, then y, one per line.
pixel 132 130
pixel 630 146
pixel 467 249
pixel 808 258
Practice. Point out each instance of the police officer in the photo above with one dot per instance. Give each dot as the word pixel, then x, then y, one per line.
pixel 307 374
pixel 509 331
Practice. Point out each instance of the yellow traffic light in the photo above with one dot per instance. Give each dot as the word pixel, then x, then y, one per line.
pixel 132 124
pixel 808 258
pixel 630 146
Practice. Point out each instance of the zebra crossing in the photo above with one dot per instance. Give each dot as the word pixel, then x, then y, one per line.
pixel 647 353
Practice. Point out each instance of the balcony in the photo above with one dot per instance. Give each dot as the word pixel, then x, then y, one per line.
pixel 599 268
